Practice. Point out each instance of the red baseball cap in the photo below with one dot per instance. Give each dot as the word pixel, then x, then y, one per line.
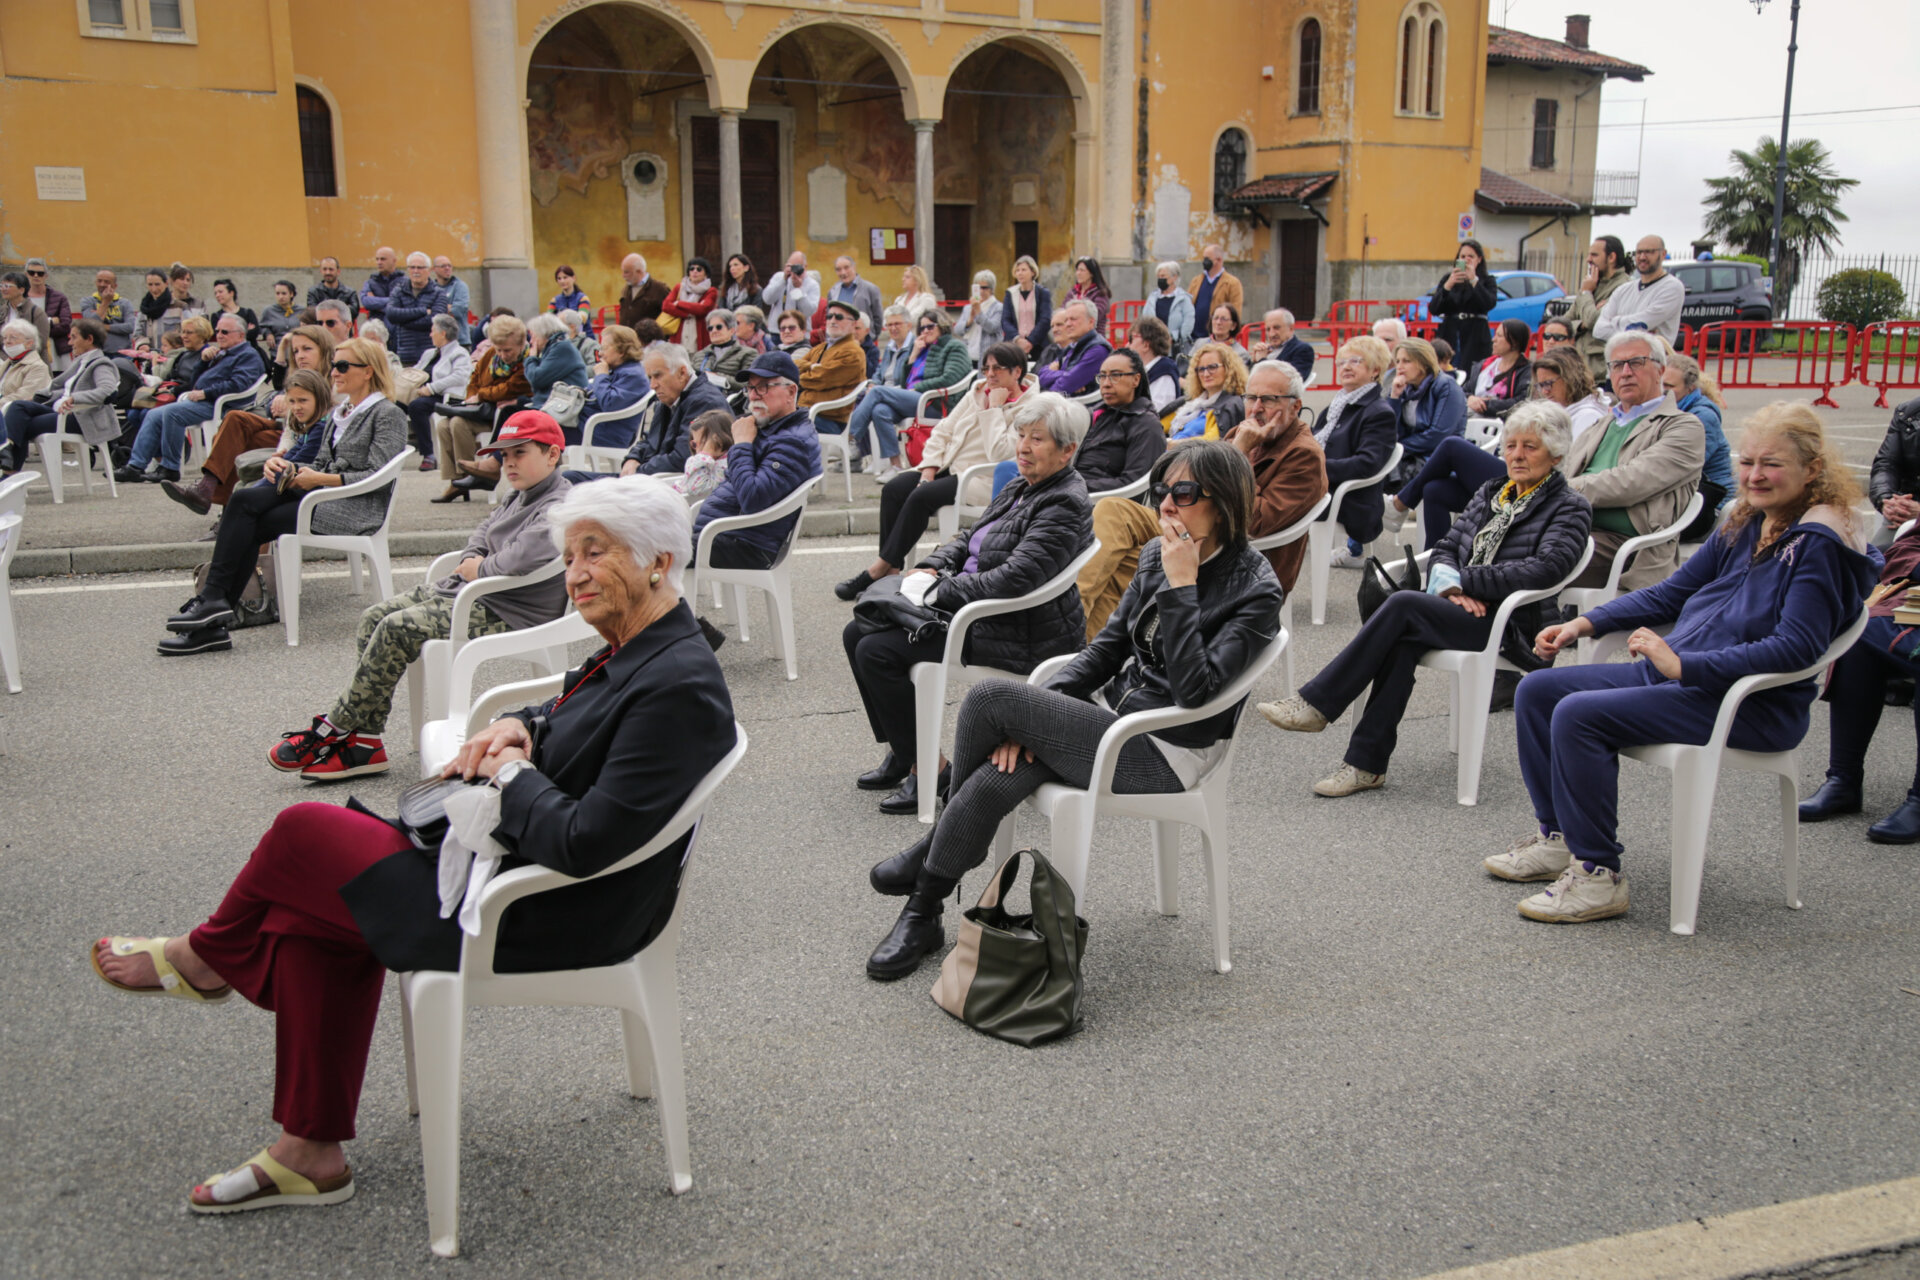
pixel 529 426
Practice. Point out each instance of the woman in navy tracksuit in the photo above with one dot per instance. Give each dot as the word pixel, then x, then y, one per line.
pixel 1785 576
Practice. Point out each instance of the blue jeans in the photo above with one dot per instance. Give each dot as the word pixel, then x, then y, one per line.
pixel 883 407
pixel 1573 721
pixel 1003 475
pixel 1444 486
pixel 164 430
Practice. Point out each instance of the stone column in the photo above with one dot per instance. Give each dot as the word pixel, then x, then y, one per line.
pixel 506 262
pixel 731 234
pixel 923 194
pixel 1119 70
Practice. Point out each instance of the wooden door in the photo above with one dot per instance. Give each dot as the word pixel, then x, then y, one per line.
pixel 1299 265
pixel 953 250
pixel 760 186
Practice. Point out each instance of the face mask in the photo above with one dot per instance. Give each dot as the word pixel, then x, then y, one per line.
pixel 15 350
pixel 1207 263
pixel 1165 283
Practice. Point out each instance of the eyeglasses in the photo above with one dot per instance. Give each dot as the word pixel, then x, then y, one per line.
pixel 341 366
pixel 1184 493
pixel 764 389
pixel 1348 362
pixel 1543 385
pixel 1549 339
pixel 1631 364
pixel 716 328
pixel 1266 400
pixel 1208 368
pixel 1105 376
pixel 36 273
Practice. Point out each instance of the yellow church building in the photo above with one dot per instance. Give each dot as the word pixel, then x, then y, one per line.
pixel 1332 146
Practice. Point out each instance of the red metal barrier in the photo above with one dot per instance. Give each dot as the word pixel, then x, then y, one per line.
pixel 600 321
pixel 1896 364
pixel 1120 318
pixel 1798 354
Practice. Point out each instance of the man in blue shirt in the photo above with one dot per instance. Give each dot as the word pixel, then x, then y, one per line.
pixel 459 298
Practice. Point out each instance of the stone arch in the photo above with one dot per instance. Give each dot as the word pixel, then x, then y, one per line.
pixel 1048 49
pixel 669 14
pixel 875 33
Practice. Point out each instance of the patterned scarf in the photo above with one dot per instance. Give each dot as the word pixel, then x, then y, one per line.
pixel 1508 505
pixel 1331 419
pixel 500 368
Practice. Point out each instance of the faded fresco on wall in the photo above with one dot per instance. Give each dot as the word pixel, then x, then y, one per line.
pixel 573 134
pixel 877 145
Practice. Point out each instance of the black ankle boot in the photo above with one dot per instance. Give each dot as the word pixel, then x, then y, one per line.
pixel 852 587
pixel 1836 795
pixel 1902 826
pixel 916 934
pixel 899 875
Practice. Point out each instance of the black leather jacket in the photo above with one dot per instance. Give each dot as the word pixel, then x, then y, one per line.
pixel 1179 646
pixel 1896 468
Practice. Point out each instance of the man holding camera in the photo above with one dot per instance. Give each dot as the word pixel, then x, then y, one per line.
pixel 795 289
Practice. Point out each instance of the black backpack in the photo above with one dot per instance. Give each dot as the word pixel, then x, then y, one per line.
pixel 130 385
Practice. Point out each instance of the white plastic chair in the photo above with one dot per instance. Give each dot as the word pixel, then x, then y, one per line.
pixel 223 405
pixel 286 551
pixel 1585 599
pixel 1072 812
pixel 1291 534
pixel 1483 433
pixel 645 989
pixel 428 675
pixel 1320 533
pixel 10 522
pixel 53 456
pixel 587 456
pixel 839 443
pixel 1131 490
pixel 776 582
pixel 1696 776
pixel 1470 699
pixel 930 679
pixel 960 509
pixel 546 645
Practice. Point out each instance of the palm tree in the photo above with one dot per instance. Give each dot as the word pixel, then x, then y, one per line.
pixel 1740 207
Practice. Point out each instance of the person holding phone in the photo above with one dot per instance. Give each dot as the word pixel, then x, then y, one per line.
pixel 978 324
pixel 1461 302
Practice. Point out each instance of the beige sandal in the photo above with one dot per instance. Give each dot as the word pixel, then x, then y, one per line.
pixel 263 1182
pixel 171 983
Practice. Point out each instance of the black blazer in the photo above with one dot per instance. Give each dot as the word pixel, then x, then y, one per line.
pixel 614 764
pixel 1359 445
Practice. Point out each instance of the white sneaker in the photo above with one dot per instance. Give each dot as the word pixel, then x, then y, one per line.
pixel 1343 559
pixel 1346 780
pixel 887 470
pixel 1579 895
pixel 1394 517
pixel 866 465
pixel 1536 857
pixel 1296 715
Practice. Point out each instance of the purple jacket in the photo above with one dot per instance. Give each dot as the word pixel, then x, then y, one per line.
pixel 1077 368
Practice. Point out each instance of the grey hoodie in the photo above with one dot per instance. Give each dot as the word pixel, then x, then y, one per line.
pixel 514 540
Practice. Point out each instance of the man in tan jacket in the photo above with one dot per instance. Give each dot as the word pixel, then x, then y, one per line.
pixel 1214 286
pixel 833 369
pixel 1640 470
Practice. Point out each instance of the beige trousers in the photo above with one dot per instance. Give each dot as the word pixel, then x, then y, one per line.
pixel 1123 527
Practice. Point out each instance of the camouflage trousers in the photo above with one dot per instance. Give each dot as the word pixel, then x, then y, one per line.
pixel 390 638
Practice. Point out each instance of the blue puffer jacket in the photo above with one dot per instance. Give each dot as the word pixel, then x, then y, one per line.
pixel 1429 413
pixel 782 456
pixel 410 317
pixel 559 361
pixel 1719 464
pixel 375 292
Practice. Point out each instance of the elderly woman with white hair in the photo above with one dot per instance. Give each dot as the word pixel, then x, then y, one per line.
pixel 580 334
pixel 1521 532
pixel 332 897
pixel 551 361
pixel 977 325
pixel 23 373
pixel 1170 304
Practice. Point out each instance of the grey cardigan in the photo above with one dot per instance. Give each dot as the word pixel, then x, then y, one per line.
pixel 92 381
pixel 371 441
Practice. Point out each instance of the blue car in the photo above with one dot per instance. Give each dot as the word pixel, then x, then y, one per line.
pixel 1523 296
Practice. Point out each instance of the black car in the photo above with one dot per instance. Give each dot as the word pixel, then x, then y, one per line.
pixel 1724 291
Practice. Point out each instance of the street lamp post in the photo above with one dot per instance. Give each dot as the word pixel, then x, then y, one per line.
pixel 1780 155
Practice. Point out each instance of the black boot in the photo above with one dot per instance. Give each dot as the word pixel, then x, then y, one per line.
pixel 916 934
pixel 454 491
pixel 199 613
pixel 1505 685
pixel 907 798
pixel 885 776
pixel 852 587
pixel 898 875
pixel 715 636
pixel 1902 826
pixel 1836 795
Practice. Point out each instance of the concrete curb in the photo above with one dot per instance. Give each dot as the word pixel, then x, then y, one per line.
pixel 150 557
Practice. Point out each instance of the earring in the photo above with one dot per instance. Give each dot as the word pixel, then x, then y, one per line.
pixel 654 581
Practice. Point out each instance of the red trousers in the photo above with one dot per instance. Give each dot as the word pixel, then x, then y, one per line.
pixel 286 941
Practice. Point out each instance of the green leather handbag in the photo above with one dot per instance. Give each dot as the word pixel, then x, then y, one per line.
pixel 1017 977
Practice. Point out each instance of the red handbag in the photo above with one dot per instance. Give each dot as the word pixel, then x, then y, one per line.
pixel 913 442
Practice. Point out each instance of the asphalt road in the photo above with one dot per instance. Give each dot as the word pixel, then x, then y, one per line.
pixel 1399 1076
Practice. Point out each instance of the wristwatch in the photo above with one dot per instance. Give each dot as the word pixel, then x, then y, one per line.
pixel 508 772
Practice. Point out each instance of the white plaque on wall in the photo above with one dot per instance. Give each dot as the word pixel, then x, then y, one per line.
pixel 1172 204
pixel 60 182
pixel 645 177
pixel 1025 192
pixel 826 204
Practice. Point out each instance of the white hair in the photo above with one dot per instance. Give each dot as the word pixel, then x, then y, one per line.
pixel 1286 316
pixel 1396 330
pixel 334 307
pixel 425 261
pixel 1086 305
pixel 574 320
pixel 375 331
pixel 546 325
pixel 1296 385
pixel 641 512
pixel 1545 419
pixel 1171 268
pixel 20 329
pixel 672 353
pixel 447 325
pixel 1066 420
pixel 1656 345
pixel 748 314
pixel 987 278
pixel 894 310
pixel 721 315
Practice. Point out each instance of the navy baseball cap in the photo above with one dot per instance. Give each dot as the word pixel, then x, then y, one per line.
pixel 774 364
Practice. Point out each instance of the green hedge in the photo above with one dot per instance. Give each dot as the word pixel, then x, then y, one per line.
pixel 1859 297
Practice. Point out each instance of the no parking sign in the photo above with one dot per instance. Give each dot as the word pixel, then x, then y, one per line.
pixel 1466 226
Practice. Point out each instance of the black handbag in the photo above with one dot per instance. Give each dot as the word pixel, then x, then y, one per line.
pixel 881 607
pixel 1017 977
pixel 1376 584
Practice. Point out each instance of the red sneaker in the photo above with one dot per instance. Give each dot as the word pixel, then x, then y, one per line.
pixel 347 757
pixel 301 748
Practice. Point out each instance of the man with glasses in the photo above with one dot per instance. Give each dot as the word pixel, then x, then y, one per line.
pixel 330 289
pixel 1640 469
pixel 934 360
pixel 234 364
pixel 724 356
pixel 1652 305
pixel 795 288
pixel 1555 333
pixel 1607 264
pixel 1082 356
pixel 336 318
pixel 59 311
pixel 848 286
pixel 831 370
pixel 411 307
pixel 641 296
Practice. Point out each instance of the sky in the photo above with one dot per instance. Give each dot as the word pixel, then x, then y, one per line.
pixel 1717 58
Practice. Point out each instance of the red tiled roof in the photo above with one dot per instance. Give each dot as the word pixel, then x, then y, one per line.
pixel 1507 45
pixel 1502 194
pixel 1287 187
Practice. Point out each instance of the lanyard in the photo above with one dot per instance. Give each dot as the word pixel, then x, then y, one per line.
pixel 584 677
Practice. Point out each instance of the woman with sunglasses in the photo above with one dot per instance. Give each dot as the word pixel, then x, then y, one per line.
pixel 935 360
pixel 1202 605
pixel 366 431
pixel 1523 531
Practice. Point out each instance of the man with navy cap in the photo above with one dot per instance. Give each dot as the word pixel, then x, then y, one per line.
pixel 775 451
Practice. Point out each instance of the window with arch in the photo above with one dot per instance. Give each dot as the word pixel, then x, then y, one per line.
pixel 1306 98
pixel 1423 61
pixel 1229 166
pixel 316 143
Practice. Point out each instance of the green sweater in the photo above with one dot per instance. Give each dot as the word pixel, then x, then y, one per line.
pixel 947 363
